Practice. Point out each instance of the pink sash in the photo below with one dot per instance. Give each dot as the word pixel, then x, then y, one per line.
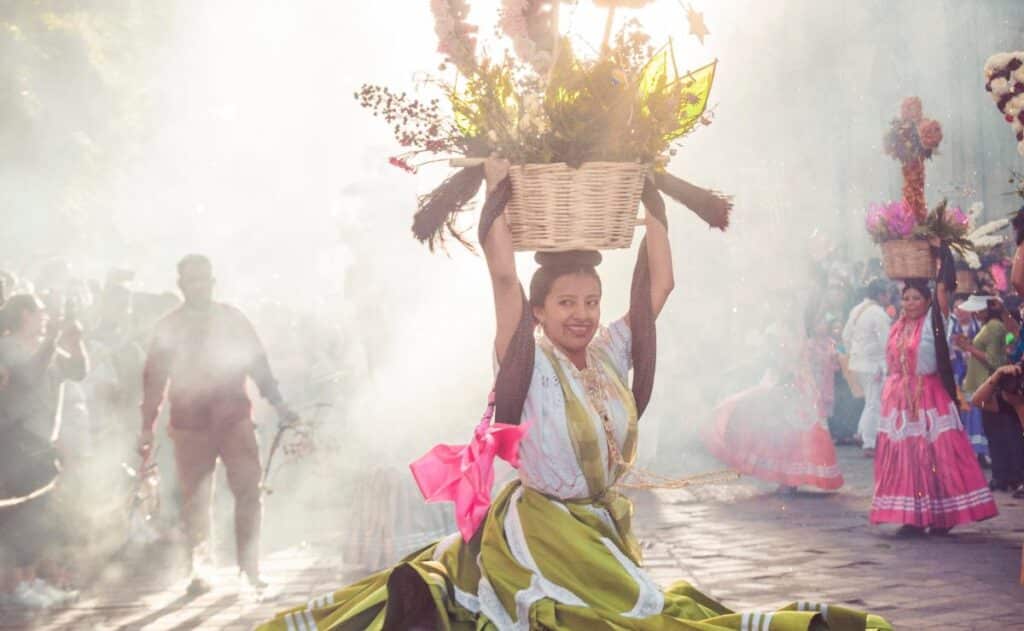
pixel 464 474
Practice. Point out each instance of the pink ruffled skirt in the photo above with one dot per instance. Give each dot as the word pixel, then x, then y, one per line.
pixel 926 473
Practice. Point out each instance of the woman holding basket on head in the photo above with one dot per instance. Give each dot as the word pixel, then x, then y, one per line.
pixel 555 549
pixel 926 474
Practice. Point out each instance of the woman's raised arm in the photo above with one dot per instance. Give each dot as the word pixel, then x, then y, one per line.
pixel 500 255
pixel 659 261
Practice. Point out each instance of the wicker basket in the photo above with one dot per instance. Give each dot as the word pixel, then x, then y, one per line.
pixel 555 208
pixel 966 281
pixel 908 258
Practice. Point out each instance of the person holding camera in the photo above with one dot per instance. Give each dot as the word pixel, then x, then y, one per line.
pixel 37 358
pixel 1001 399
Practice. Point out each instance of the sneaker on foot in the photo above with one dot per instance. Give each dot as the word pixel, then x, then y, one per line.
pixel 58 596
pixel 198 586
pixel 26 597
pixel 256 582
pixel 908 530
pixel 939 532
pixel 999 485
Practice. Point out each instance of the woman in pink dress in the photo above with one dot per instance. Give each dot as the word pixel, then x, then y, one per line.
pixel 926 474
pixel 777 431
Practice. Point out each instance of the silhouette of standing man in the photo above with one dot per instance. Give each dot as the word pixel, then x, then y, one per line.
pixel 205 350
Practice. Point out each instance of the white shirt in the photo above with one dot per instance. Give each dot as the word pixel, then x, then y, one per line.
pixel 865 336
pixel 547 460
pixel 927 363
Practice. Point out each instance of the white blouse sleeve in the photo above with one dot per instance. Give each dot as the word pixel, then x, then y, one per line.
pixel 617 341
pixel 926 362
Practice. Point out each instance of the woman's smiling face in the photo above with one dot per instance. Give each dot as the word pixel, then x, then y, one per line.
pixel 571 311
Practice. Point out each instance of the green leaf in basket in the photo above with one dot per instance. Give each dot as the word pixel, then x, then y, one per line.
pixel 487 102
pixel 466 112
pixel 669 103
pixel 694 89
pixel 655 76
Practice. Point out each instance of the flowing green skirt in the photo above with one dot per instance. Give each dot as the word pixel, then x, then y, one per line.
pixel 538 563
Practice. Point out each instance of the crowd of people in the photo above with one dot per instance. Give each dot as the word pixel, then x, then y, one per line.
pixel 982 341
pixel 68 353
pixel 867 365
pixel 926 381
pixel 76 360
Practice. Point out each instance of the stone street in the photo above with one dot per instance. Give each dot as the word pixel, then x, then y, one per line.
pixel 739 542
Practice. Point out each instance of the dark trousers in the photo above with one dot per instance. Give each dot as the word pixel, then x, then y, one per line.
pixel 196 452
pixel 1005 445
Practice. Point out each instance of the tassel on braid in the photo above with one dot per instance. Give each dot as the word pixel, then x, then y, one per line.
pixel 439 209
pixel 711 206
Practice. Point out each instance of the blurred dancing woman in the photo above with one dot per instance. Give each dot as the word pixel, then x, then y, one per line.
pixel 926 474
pixel 777 431
pixel 555 549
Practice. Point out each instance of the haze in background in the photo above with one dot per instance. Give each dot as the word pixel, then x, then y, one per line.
pixel 133 133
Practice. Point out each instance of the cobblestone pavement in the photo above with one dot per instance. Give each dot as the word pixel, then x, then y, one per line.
pixel 739 542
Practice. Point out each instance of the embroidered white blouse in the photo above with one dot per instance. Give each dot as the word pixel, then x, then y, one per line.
pixel 547 458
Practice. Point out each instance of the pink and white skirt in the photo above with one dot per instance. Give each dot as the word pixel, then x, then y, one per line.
pixel 926 473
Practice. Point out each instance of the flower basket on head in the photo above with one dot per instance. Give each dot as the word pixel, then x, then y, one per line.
pixel 906 259
pixel 907 252
pixel 583 133
pixel 555 207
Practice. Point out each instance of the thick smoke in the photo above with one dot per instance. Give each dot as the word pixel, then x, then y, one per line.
pixel 233 132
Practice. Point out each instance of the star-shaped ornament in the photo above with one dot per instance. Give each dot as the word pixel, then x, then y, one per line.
pixel 697 26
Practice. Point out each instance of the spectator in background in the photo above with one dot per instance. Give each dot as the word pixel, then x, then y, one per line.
pixel 1001 399
pixel 962 323
pixel 1017 271
pixel 865 336
pixel 8 281
pixel 987 284
pixel 1016 351
pixel 38 358
pixel 849 398
pixel 986 352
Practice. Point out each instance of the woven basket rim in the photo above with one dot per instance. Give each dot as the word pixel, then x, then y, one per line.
pixel 583 164
pixel 907 240
pixel 907 258
pixel 556 207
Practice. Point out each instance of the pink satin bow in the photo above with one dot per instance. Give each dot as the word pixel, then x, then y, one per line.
pixel 464 474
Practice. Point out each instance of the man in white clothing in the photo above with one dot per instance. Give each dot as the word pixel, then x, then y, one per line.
pixel 865 336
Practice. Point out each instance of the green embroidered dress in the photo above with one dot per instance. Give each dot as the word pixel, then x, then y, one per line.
pixel 556 549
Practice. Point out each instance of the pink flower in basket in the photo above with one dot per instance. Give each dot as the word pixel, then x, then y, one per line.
pixel 900 218
pixel 910 109
pixel 513 18
pixel 930 133
pixel 958 217
pixel 893 220
pixel 874 218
